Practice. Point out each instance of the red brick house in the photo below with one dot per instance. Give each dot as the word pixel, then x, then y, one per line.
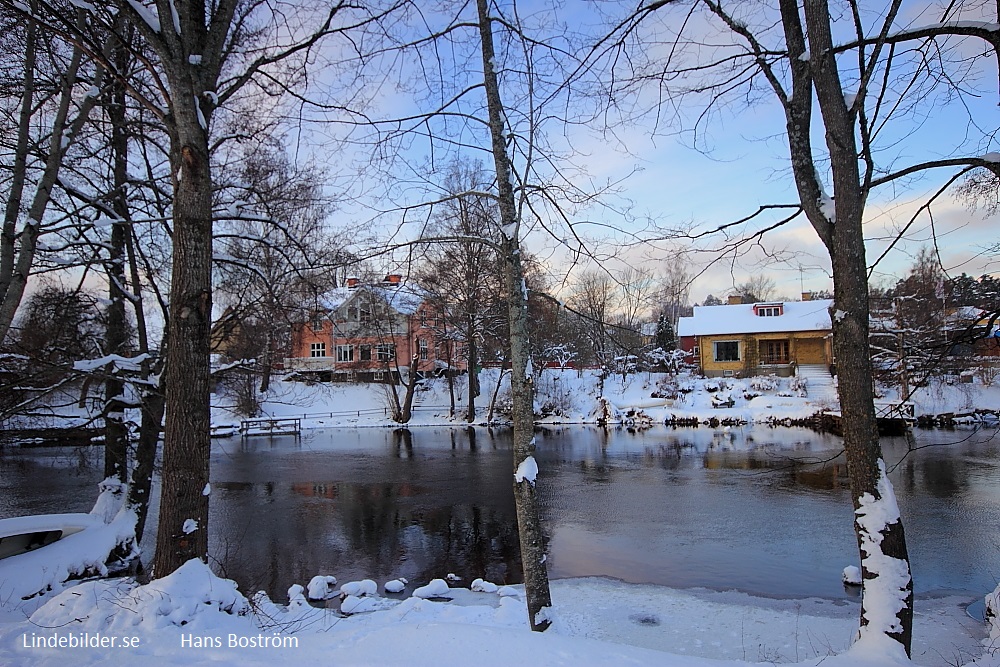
pixel 369 332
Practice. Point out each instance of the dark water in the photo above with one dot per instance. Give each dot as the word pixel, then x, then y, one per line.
pixel 761 510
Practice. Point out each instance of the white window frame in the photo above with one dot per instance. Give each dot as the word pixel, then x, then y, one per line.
pixel 317 350
pixel 715 351
pixel 385 352
pixel 423 348
pixel 345 353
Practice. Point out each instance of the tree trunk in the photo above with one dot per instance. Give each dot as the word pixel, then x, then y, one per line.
pixel 406 410
pixel 844 239
pixel 183 525
pixel 116 338
pixel 470 333
pixel 536 578
pixel 153 404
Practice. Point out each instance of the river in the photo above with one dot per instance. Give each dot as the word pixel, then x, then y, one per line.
pixel 756 509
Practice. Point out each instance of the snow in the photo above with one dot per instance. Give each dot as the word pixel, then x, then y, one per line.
pixel 146 15
pixel 196 617
pixel 194 59
pixel 321 587
pixel 437 588
pixel 190 525
pixel 122 363
pixel 852 575
pixel 828 207
pixel 78 554
pixel 482 586
pixel 395 586
pixel 207 490
pixel 527 470
pixel 885 595
pixel 991 157
pixel 359 588
pixel 740 319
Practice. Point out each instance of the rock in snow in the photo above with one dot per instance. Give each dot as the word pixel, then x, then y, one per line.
pixel 438 588
pixel 359 588
pixel 321 587
pixel 482 586
pixel 395 586
pixel 852 576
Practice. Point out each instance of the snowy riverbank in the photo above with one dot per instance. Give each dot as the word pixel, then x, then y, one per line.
pixel 193 617
pixel 569 397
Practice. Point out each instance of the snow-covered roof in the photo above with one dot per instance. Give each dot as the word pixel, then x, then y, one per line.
pixel 405 299
pixel 741 319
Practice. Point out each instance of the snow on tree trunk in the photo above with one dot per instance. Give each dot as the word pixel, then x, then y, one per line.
pixel 889 589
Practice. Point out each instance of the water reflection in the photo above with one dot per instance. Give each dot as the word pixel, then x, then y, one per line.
pixel 757 509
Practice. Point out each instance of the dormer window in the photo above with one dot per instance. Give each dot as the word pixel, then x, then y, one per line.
pixel 768 309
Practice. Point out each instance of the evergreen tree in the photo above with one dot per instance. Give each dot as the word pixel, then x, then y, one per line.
pixel 666 338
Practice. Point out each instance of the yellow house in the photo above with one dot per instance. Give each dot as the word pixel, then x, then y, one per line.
pixel 746 339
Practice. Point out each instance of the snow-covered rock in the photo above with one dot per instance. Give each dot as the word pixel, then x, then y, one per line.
pixel 483 586
pixel 395 586
pixel 359 588
pixel 852 575
pixel 321 587
pixel 438 588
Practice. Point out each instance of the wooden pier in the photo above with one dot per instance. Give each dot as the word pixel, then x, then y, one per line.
pixel 271 427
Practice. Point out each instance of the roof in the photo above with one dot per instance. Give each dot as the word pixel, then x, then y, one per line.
pixel 740 319
pixel 403 298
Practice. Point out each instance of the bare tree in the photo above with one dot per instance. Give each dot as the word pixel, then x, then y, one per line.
pixel 463 277
pixel 848 93
pixel 759 287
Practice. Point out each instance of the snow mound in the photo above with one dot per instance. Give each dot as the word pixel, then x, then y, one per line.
pixel 359 588
pixel 321 587
pixel 395 586
pixel 82 553
pixel 438 588
pixel 189 594
pixel 483 586
pixel 852 575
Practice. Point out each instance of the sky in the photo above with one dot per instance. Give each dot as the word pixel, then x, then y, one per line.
pixel 740 162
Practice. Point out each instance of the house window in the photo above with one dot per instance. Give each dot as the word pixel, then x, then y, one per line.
pixel 424 351
pixel 365 352
pixel 317 349
pixel 385 352
pixel 726 350
pixel 317 323
pixel 378 376
pixel 345 353
pixel 771 310
pixel 773 352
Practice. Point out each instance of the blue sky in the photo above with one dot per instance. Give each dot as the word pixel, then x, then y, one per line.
pixel 742 163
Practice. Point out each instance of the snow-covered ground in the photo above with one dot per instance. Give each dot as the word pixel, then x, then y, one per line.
pixel 569 397
pixel 194 617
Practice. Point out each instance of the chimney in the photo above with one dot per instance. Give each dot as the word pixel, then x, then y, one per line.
pixel 735 300
pixel 807 296
pixel 352 283
pixel 393 278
